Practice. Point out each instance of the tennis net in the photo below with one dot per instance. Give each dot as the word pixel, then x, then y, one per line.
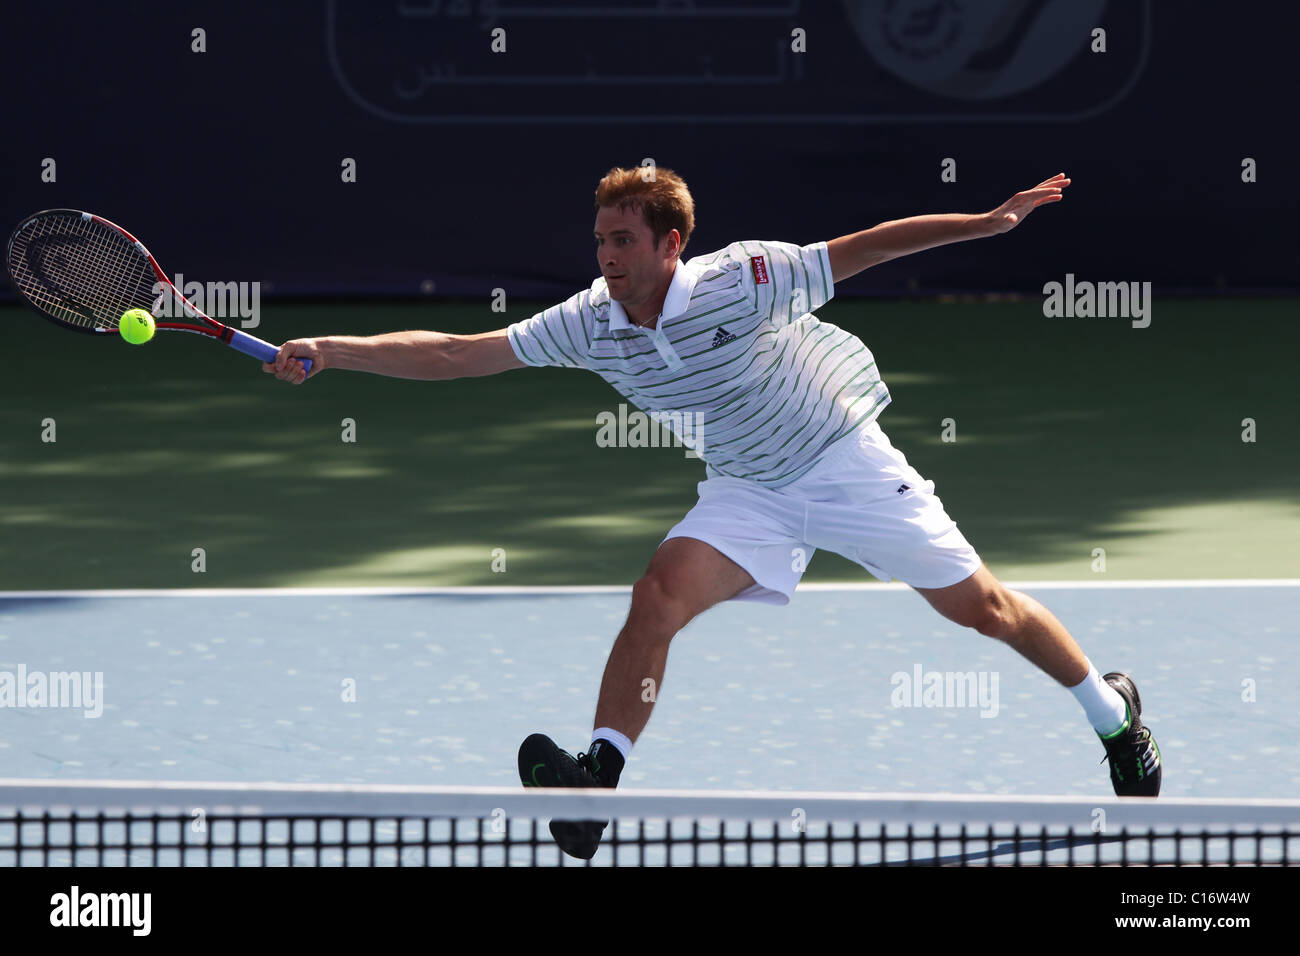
pixel 126 823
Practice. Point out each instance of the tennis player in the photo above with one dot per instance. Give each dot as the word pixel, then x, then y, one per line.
pixel 783 409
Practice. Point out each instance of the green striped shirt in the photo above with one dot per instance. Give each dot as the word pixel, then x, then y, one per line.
pixel 763 386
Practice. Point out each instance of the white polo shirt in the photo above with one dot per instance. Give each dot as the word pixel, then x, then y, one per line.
pixel 768 386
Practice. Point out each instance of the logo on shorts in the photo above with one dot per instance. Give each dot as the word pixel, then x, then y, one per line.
pixel 904 488
pixel 723 337
pixel 760 269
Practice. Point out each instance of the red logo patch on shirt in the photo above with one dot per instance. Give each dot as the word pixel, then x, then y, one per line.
pixel 760 269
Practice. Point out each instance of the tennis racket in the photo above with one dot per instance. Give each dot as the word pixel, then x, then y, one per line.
pixel 83 272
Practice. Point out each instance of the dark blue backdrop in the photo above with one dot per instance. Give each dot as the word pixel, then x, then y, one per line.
pixel 476 169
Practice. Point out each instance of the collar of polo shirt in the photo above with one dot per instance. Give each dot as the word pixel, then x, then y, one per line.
pixel 675 302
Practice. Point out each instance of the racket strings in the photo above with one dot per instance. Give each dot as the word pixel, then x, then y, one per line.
pixel 80 271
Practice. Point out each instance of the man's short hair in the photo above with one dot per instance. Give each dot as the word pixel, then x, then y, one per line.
pixel 659 192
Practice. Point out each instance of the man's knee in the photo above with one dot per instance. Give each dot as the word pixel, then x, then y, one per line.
pixel 992 613
pixel 658 610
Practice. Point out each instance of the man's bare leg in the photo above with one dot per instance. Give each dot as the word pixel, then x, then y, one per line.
pixel 984 603
pixel 685 578
pixel 1112 704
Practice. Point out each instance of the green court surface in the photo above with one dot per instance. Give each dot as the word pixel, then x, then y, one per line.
pixel 1071 435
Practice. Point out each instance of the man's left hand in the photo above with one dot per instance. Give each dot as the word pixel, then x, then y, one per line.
pixel 1013 212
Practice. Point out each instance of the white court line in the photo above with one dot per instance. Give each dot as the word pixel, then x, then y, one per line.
pixel 506 590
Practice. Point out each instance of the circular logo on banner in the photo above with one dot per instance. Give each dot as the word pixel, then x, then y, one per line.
pixel 974 49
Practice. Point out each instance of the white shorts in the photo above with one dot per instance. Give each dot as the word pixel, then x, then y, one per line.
pixel 862 500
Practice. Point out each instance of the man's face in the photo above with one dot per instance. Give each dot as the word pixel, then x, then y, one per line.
pixel 626 254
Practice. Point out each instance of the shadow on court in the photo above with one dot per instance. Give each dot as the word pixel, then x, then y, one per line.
pixel 1072 435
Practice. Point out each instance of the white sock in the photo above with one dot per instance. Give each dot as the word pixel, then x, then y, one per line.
pixel 1103 705
pixel 620 741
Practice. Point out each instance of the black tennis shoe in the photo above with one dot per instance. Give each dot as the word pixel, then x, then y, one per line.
pixel 543 764
pixel 1135 767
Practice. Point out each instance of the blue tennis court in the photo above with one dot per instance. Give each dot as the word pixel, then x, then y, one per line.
pixel 828 694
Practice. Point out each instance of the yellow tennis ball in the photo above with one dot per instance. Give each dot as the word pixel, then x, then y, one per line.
pixel 136 326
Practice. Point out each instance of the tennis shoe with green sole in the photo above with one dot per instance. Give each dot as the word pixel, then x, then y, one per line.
pixel 1135 765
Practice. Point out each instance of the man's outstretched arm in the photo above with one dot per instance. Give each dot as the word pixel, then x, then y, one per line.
pixel 849 255
pixel 421 355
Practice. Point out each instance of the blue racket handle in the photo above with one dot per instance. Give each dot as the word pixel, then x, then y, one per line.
pixel 252 345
